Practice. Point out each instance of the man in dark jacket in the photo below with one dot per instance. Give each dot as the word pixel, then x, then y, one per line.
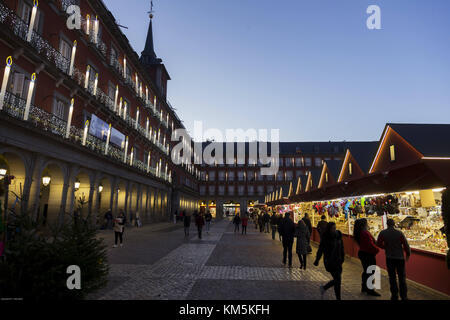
pixel 279 222
pixel 287 230
pixel 322 226
pixel 332 248
pixel 396 246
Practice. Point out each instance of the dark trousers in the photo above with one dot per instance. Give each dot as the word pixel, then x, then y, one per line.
pixel 236 227
pixel 244 229
pixel 367 259
pixel 396 267
pixel 118 235
pixel 199 232
pixel 287 250
pixel 186 231
pixel 336 283
pixel 302 259
pixel 274 231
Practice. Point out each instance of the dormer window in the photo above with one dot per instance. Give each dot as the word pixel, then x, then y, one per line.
pixel 392 152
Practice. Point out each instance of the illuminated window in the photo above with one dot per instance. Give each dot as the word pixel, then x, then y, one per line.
pixel 350 168
pixel 392 152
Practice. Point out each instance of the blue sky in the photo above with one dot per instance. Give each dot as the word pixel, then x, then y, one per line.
pixel 310 68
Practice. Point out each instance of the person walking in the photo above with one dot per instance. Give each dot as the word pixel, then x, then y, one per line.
pixel 236 222
pixel 308 224
pixel 332 248
pixel 394 243
pixel 187 223
pixel 109 219
pixel 287 231
pixel 119 228
pixel 279 222
pixel 266 220
pixel 200 222
pixel 261 222
pixel 175 215
pixel 303 235
pixel 366 254
pixel 208 218
pixel 322 226
pixel 244 224
pixel 273 224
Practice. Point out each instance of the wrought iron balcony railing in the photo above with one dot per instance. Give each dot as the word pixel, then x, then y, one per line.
pixel 15 106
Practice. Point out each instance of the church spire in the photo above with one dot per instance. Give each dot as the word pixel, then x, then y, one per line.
pixel 148 56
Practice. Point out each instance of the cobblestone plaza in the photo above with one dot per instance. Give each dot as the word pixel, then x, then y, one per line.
pixel 158 263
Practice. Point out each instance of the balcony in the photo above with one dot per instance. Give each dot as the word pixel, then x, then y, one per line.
pixel 14 106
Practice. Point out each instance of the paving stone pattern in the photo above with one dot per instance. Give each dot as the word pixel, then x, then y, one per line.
pixel 158 262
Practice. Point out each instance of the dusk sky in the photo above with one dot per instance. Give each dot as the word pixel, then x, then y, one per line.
pixel 309 68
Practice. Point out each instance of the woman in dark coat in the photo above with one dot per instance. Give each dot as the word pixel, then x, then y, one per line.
pixel 236 222
pixel 302 234
pixel 332 248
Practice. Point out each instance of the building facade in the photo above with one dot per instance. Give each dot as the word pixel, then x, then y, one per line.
pixel 85 122
pixel 233 187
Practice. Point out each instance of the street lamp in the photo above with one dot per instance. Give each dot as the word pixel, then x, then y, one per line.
pixel 46 180
pixel 100 188
pixel 3 173
pixel 77 185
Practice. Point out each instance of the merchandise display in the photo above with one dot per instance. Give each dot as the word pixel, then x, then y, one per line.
pixel 416 214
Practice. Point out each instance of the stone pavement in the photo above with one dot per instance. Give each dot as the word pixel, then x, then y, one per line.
pixel 158 262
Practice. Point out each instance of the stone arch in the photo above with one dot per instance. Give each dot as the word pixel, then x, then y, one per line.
pixel 52 197
pixel 105 196
pixel 16 165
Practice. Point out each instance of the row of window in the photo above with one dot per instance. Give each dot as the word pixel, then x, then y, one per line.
pixel 284 162
pixel 250 176
pixel 232 190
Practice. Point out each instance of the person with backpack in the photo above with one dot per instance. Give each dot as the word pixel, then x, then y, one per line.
pixel 332 248
pixel 208 218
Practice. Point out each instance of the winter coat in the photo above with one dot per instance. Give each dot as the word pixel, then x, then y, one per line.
pixel 332 249
pixel 287 229
pixel 308 224
pixel 119 223
pixel 274 220
pixel 208 217
pixel 244 221
pixel 302 234
pixel 237 220
pixel 199 221
pixel 266 218
pixel 321 227
pixel 187 221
